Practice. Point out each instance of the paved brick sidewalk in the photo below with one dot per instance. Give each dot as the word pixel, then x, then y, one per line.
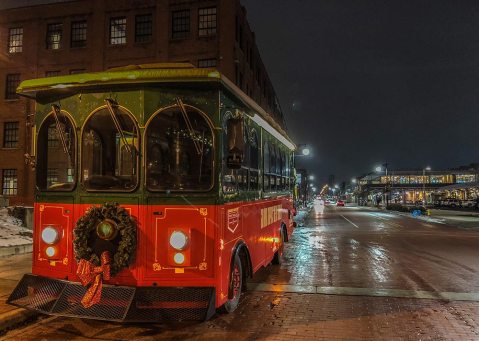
pixel 279 316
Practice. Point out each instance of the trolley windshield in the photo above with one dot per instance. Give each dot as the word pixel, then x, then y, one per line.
pixel 179 151
pixel 109 150
pixel 55 166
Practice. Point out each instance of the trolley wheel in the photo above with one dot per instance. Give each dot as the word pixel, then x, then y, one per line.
pixel 278 255
pixel 235 286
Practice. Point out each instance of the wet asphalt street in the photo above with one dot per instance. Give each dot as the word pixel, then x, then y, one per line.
pixel 348 273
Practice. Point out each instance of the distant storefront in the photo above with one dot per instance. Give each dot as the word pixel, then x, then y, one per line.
pixel 417 187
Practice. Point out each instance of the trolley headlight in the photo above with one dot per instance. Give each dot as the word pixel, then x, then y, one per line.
pixel 51 251
pixel 178 241
pixel 50 235
pixel 106 229
pixel 179 258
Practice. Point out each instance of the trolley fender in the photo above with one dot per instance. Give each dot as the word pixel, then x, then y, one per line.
pixel 239 247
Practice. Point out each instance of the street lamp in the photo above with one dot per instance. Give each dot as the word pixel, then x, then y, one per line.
pixel 303 150
pixel 311 177
pixel 428 168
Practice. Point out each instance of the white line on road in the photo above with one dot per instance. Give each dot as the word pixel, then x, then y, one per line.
pixel 350 221
pixel 378 292
pixel 385 220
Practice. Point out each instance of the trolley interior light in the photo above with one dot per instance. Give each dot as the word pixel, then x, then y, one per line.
pixel 178 240
pixel 179 258
pixel 50 235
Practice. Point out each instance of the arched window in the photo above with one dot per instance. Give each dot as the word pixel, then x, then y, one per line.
pixel 110 150
pixel 254 161
pixel 56 153
pixel 266 166
pixel 179 151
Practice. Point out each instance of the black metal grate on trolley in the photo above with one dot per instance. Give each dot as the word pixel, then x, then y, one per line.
pixel 118 303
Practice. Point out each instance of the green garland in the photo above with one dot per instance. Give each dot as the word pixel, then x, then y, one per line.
pixel 126 226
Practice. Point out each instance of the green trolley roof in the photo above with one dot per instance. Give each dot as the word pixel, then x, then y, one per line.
pixel 42 89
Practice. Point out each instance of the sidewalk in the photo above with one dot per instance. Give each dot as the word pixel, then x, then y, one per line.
pixel 11 271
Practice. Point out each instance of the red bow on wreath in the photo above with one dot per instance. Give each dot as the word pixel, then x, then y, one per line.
pixel 88 273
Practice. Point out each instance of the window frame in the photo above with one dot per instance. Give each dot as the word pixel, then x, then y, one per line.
pixel 12 81
pixel 52 30
pixel 14 176
pixel 9 132
pixel 208 30
pixel 122 35
pixel 15 32
pixel 213 151
pixel 76 149
pixel 138 156
pixel 78 30
pixel 180 34
pixel 142 26
pixel 208 63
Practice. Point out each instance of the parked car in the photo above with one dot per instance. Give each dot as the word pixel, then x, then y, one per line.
pixel 469 203
pixel 340 203
pixel 452 202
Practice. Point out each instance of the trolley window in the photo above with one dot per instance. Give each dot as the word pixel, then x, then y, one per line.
pixel 179 151
pixel 110 150
pixel 55 168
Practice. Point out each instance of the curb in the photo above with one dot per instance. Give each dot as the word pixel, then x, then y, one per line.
pixel 15 250
pixel 14 317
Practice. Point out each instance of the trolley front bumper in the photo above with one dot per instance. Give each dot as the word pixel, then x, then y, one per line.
pixel 118 303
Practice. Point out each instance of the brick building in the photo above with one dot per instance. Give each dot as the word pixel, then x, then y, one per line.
pixel 41 38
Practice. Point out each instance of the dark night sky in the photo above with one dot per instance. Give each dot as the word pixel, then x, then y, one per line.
pixel 372 81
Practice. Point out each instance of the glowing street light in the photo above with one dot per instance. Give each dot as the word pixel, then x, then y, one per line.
pixel 311 177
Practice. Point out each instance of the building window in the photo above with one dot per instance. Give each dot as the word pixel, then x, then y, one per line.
pixel 78 33
pixel 76 71
pixel 12 82
pixel 54 36
pixel 52 73
pixel 143 28
pixel 10 135
pixel 9 182
pixel 15 40
pixel 211 62
pixel 118 31
pixel 207 21
pixel 180 24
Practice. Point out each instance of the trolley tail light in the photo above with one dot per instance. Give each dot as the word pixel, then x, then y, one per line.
pixel 179 247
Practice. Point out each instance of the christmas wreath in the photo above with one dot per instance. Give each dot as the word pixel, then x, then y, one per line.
pixel 91 226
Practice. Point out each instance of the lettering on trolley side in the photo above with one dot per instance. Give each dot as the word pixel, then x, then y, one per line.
pixel 270 215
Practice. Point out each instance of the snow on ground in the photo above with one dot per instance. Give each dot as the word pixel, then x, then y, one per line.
pixel 11 231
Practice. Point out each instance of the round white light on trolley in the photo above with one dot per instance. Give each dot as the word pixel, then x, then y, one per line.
pixel 179 258
pixel 50 251
pixel 178 240
pixel 50 235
